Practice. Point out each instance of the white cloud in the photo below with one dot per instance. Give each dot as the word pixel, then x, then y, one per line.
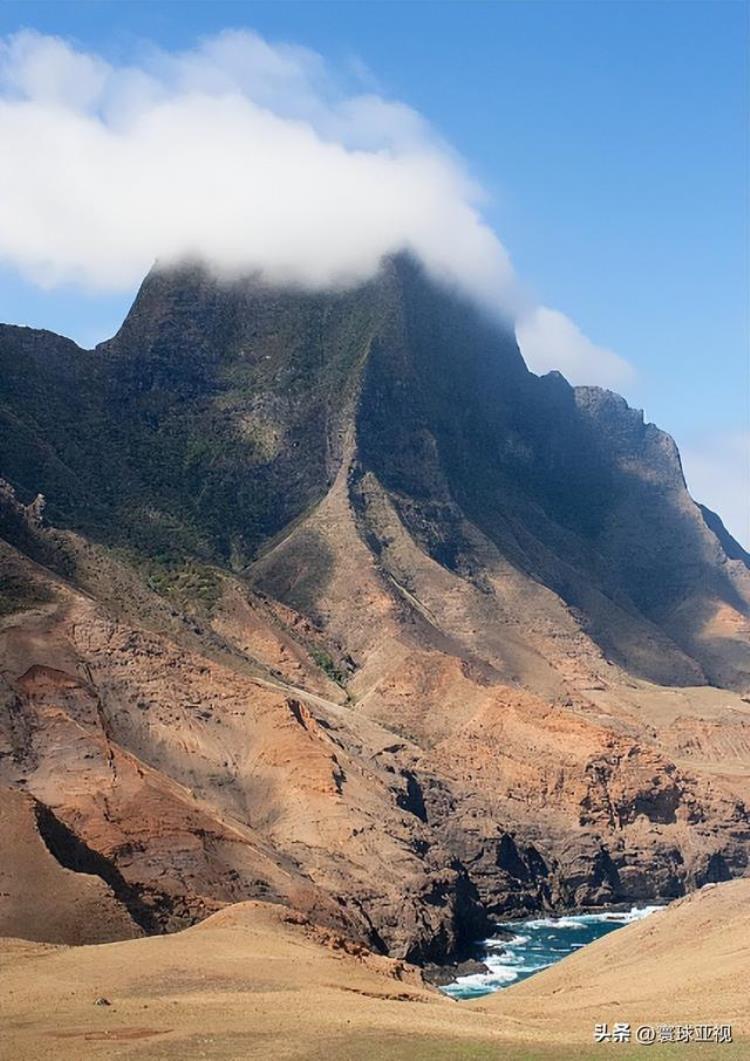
pixel 254 157
pixel 717 470
pixel 550 340
pixel 249 155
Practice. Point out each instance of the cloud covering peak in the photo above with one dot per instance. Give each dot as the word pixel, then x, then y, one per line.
pixel 251 156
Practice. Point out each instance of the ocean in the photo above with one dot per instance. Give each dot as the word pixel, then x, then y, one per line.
pixel 538 943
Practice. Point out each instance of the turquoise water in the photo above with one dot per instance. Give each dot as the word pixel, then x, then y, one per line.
pixel 537 943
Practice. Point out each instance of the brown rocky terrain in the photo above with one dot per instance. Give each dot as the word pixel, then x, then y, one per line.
pixel 42 900
pixel 334 605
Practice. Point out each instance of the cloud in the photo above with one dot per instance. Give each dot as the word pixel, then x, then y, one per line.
pixel 550 340
pixel 717 470
pixel 252 156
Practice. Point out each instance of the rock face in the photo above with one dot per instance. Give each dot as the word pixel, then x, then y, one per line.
pixel 42 900
pixel 329 601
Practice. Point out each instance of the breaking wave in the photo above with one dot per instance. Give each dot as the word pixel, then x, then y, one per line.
pixel 536 944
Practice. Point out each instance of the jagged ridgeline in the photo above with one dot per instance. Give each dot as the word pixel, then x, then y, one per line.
pixel 341 552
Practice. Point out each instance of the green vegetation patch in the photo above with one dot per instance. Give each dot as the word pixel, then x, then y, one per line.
pixel 187 582
pixel 327 664
pixel 19 592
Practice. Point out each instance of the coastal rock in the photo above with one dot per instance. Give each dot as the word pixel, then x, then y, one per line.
pixel 440 975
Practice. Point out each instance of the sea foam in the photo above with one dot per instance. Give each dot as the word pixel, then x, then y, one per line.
pixel 536 944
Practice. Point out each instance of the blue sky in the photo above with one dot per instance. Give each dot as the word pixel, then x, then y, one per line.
pixel 611 142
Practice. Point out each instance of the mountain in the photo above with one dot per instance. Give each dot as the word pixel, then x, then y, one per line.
pixel 329 601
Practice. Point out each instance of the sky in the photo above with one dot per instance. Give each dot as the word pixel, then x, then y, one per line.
pixel 584 165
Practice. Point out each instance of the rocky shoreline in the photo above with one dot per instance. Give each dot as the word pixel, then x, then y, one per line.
pixel 442 975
